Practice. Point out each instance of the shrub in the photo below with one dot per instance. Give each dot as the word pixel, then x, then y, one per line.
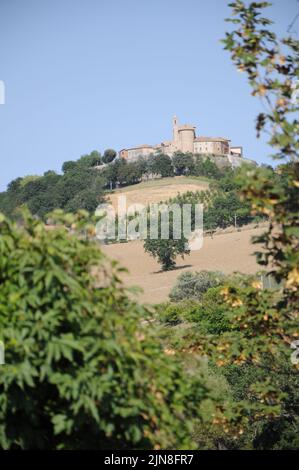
pixel 82 370
pixel 210 314
pixel 170 314
pixel 191 285
pixel 173 314
pixel 213 313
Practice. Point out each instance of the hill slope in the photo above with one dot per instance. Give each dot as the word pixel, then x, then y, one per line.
pixel 228 252
pixel 157 190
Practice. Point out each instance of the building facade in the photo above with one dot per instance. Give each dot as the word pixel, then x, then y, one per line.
pixel 133 153
pixel 184 140
pixel 211 145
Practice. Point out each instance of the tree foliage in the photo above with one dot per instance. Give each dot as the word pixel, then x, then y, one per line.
pixel 161 165
pixel 79 187
pixel 255 327
pixel 166 249
pixel 83 367
pixel 265 323
pixel 109 155
pixel 191 285
pixel 183 163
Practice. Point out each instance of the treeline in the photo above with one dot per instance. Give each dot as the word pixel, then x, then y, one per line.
pixel 79 186
pixel 83 183
pixel 89 368
pixel 222 207
pixel 123 173
pixel 221 202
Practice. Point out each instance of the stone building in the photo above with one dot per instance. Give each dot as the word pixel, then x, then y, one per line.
pixel 236 151
pixel 134 153
pixel 211 145
pixel 184 140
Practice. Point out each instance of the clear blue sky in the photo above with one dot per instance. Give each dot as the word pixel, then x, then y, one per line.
pixel 91 74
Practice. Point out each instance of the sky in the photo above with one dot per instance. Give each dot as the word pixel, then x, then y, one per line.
pixel 83 75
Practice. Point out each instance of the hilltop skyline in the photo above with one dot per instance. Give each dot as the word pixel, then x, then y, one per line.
pixel 90 75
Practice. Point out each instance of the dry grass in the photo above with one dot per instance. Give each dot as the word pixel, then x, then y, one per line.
pixel 227 252
pixel 154 191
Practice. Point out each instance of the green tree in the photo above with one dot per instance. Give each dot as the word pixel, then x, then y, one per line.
pixel 109 155
pixel 204 166
pixel 11 198
pixel 266 323
pixel 160 164
pixel 90 160
pixel 82 370
pixel 111 173
pixel 226 208
pixel 86 161
pixel 166 250
pixel 142 166
pixel 127 172
pixel 69 166
pixel 81 186
pixel 183 163
pixel 88 200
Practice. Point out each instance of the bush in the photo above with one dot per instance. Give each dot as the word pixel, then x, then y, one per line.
pixel 173 314
pixel 191 285
pixel 210 314
pixel 82 370
pixel 213 313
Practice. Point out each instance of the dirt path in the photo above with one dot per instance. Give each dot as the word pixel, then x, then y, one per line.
pixel 227 253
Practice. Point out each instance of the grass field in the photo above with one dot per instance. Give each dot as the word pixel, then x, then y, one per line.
pixel 157 190
pixel 227 252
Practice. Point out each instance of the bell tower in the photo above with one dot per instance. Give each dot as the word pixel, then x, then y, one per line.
pixel 175 130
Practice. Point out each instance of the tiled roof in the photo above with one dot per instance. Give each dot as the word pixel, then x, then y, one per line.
pixel 140 147
pixel 211 139
pixel 186 126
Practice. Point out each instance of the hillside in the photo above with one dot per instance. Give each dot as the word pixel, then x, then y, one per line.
pixel 228 252
pixel 157 190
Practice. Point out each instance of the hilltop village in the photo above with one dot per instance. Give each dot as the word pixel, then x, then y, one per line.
pixel 185 140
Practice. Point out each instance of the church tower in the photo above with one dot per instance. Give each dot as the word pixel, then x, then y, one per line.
pixel 175 131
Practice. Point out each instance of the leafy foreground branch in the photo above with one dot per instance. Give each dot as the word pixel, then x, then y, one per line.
pixel 265 324
pixel 83 368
